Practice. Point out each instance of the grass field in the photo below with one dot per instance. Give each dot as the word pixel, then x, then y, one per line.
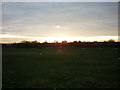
pixel 60 68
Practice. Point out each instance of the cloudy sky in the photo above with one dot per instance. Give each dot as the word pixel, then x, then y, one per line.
pixel 51 21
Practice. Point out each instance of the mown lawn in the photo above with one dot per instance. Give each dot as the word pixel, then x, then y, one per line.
pixel 60 68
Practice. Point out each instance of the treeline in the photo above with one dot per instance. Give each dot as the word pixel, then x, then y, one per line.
pixel 36 44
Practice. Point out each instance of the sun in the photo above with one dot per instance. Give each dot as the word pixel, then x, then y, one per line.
pixel 57 26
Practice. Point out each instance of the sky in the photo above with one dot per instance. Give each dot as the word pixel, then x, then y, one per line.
pixel 60 0
pixel 84 21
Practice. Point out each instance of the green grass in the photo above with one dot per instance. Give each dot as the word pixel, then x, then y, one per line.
pixel 60 68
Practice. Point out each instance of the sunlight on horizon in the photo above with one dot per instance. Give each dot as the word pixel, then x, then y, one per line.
pixel 59 38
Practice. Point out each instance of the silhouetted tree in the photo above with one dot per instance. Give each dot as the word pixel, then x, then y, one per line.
pixel 35 41
pixel 56 41
pixel 79 41
pixel 95 41
pixel 24 41
pixel 74 41
pixel 45 42
pixel 111 40
pixel 64 42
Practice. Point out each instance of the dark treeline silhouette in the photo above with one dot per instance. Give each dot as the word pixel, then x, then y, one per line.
pixel 36 44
